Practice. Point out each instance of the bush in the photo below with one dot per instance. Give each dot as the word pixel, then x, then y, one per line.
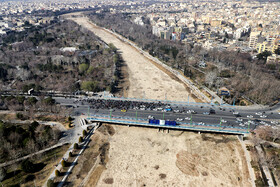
pixel 80 139
pixel 50 183
pixel 57 173
pixel 63 163
pixel 84 132
pixel 27 166
pixel 70 154
pixel 76 146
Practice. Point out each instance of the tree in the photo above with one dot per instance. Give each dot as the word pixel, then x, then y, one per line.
pixel 277 51
pixel 57 173
pixel 27 166
pixel 264 55
pixel 80 139
pixel 210 78
pixel 49 101
pixel 70 154
pixel 63 163
pixel 90 86
pixel 76 146
pixel 3 174
pixel 84 132
pixel 83 68
pixel 50 183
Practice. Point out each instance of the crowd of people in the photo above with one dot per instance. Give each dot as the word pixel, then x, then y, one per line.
pixel 122 104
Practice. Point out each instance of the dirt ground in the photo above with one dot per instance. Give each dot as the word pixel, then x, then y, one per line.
pixel 145 79
pixel 146 157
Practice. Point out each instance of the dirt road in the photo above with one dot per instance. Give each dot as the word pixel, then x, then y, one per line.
pixel 145 79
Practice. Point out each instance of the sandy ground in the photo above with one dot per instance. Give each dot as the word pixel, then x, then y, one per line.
pixel 146 80
pixel 146 157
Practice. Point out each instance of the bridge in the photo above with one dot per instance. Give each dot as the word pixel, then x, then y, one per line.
pixel 192 126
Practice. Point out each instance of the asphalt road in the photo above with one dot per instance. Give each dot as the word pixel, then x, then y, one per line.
pixel 224 114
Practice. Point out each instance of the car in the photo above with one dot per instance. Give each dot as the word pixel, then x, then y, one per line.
pixel 142 108
pixel 250 116
pixel 241 124
pixel 176 111
pixel 223 121
pixel 151 117
pixel 239 119
pixel 123 110
pixel 187 118
pixel 258 113
pixel 180 119
pixel 274 122
pixel 201 123
pixel 263 116
pixel 206 113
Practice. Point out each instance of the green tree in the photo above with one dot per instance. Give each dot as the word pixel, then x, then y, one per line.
pixel 84 132
pixel 76 146
pixel 49 101
pixel 263 55
pixel 57 173
pixel 32 100
pixel 50 183
pixel 63 163
pixel 277 51
pixel 83 68
pixel 27 166
pixel 80 139
pixel 90 86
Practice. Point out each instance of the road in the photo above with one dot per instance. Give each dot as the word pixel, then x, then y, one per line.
pixel 221 113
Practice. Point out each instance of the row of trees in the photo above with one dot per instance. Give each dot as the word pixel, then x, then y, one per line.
pixel 237 71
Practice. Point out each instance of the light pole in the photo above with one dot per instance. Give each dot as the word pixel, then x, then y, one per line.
pixel 221 123
pixel 136 115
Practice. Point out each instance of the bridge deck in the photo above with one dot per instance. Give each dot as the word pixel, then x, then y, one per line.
pixel 185 126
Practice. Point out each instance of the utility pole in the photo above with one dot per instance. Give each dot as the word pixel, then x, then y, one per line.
pixel 136 115
pixel 221 123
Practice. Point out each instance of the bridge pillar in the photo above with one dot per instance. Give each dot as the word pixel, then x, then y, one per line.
pixel 128 125
pixel 158 129
pixel 198 132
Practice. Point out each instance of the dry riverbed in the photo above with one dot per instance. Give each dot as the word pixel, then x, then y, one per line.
pixel 145 79
pixel 146 157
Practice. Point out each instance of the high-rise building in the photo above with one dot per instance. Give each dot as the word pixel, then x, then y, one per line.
pixel 254 39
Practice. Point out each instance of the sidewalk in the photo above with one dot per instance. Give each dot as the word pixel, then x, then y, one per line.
pixel 248 160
